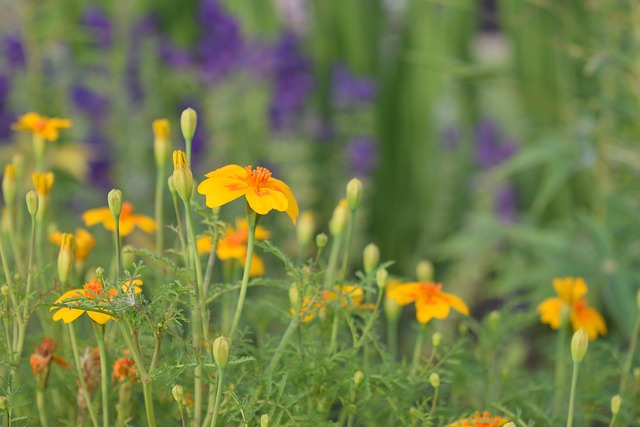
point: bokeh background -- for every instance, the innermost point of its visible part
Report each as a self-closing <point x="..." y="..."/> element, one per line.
<point x="498" y="139"/>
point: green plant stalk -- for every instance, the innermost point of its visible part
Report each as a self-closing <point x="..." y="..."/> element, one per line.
<point x="116" y="235"/>
<point x="40" y="402"/>
<point x="187" y="143"/>
<point x="345" y="255"/>
<point x="104" y="378"/>
<point x="183" y="245"/>
<point x="613" y="420"/>
<point x="561" y="365"/>
<point x="626" y="370"/>
<point x="30" y="263"/>
<point x="333" y="346"/>
<point x="216" y="407"/>
<point x="333" y="261"/>
<point x="252" y="221"/>
<point x="198" y="267"/>
<point x="83" y="383"/>
<point x="293" y="324"/>
<point x="369" y="324"/>
<point x="434" y="403"/>
<point x="392" y="338"/>
<point x="415" y="362"/>
<point x="572" y="396"/>
<point x="13" y="241"/>
<point x="159" y="199"/>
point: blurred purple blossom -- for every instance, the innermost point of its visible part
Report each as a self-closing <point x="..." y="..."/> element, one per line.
<point x="143" y="28"/>
<point x="220" y="45"/>
<point x="98" y="26"/>
<point x="350" y="90"/>
<point x="172" y="55"/>
<point x="89" y="101"/>
<point x="14" y="51"/>
<point x="292" y="82"/>
<point x="491" y="149"/>
<point x="100" y="159"/>
<point x="505" y="203"/>
<point x="362" y="156"/>
<point x="6" y="116"/>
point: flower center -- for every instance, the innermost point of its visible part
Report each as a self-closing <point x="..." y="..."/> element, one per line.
<point x="93" y="288"/>
<point x="127" y="209"/>
<point x="257" y="178"/>
<point x="41" y="124"/>
<point x="430" y="288"/>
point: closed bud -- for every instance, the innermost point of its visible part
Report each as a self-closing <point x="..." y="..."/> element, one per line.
<point x="358" y="377"/>
<point x="32" y="203"/>
<point x="339" y="218"/>
<point x="128" y="257"/>
<point x="305" y="228"/>
<point x="100" y="272"/>
<point x="188" y="122"/>
<point x="436" y="339"/>
<point x="264" y="420"/>
<point x="9" y="185"/>
<point x="178" y="393"/>
<point x="354" y="193"/>
<point x="424" y="271"/>
<point x="172" y="186"/>
<point x="381" y="278"/>
<point x="579" y="345"/>
<point x="65" y="257"/>
<point x="370" y="257"/>
<point x="636" y="374"/>
<point x="5" y="290"/>
<point x="294" y="296"/>
<point x="434" y="380"/>
<point x="221" y="348"/>
<point x="114" y="199"/>
<point x="493" y="319"/>
<point x="161" y="143"/>
<point x="321" y="240"/>
<point x="616" y="403"/>
<point x="182" y="176"/>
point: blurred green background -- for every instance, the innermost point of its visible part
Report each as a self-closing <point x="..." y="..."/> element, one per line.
<point x="497" y="139"/>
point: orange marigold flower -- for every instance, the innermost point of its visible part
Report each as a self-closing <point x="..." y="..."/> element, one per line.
<point x="483" y="419"/>
<point x="44" y="127"/>
<point x="263" y="193"/>
<point x="124" y="369"/>
<point x="42" y="357"/>
<point x="571" y="292"/>
<point x="83" y="239"/>
<point x="430" y="301"/>
<point x="234" y="245"/>
<point x="128" y="220"/>
<point x="93" y="290"/>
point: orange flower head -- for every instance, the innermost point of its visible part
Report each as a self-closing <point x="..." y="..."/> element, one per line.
<point x="430" y="301"/>
<point x="124" y="369"/>
<point x="41" y="126"/>
<point x="570" y="299"/>
<point x="128" y="219"/>
<point x="483" y="419"/>
<point x="344" y="296"/>
<point x="262" y="191"/>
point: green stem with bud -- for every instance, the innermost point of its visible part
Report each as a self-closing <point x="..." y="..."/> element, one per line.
<point x="572" y="396"/>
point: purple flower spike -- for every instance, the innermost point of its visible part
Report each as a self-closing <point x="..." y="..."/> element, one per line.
<point x="362" y="156"/>
<point x="14" y="51"/>
<point x="491" y="150"/>
<point x="98" y="26"/>
<point x="89" y="102"/>
<point x="505" y="202"/>
<point x="349" y="89"/>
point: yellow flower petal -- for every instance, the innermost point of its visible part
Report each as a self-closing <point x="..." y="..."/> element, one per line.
<point x="292" y="206"/>
<point x="67" y="314"/>
<point x="264" y="199"/>
<point x="223" y="185"/>
<point x="404" y="294"/>
<point x="204" y="244"/>
<point x="97" y="216"/>
<point x="98" y="317"/>
<point x="570" y="289"/>
<point x="146" y="223"/>
<point x="428" y="308"/>
<point x="257" y="266"/>
<point x="455" y="302"/>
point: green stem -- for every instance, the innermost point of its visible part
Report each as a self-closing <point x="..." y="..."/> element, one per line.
<point x="417" y="351"/>
<point x="104" y="378"/>
<point x="198" y="266"/>
<point x="252" y="220"/>
<point x="561" y="365"/>
<point x="148" y="403"/>
<point x="31" y="263"/>
<point x="370" y="323"/>
<point x="626" y="370"/>
<point x="159" y="199"/>
<point x="436" y="393"/>
<point x="183" y="245"/>
<point x="333" y="346"/>
<point x="116" y="235"/>
<point x="83" y="383"/>
<point x="13" y="241"/>
<point x="216" y="407"/>
<point x="345" y="255"/>
<point x="293" y="324"/>
<point x="42" y="413"/>
<point x="330" y="272"/>
<point x="572" y="396"/>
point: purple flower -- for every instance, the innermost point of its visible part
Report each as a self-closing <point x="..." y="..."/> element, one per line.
<point x="89" y="102"/>
<point x="172" y="55"/>
<point x="292" y="83"/>
<point x="143" y="28"/>
<point x="491" y="149"/>
<point x="350" y="90"/>
<point x="220" y="45"/>
<point x="100" y="159"/>
<point x="362" y="156"/>
<point x="505" y="201"/>
<point x="98" y="26"/>
<point x="14" y="51"/>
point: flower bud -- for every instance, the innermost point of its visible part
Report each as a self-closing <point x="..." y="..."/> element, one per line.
<point x="161" y="143"/>
<point x="114" y="199"/>
<point x="32" y="203"/>
<point x="434" y="380"/>
<point x="188" y="122"/>
<point x="354" y="193"/>
<point x="172" y="186"/>
<point x="128" y="257"/>
<point x="42" y="182"/>
<point x="579" y="345"/>
<point x="305" y="228"/>
<point x="616" y="403"/>
<point x="182" y="176"/>
<point x="221" y="347"/>
<point x="9" y="184"/>
<point x="5" y="290"/>
<point x="321" y="240"/>
<point x="294" y="296"/>
<point x="100" y="272"/>
<point x="178" y="393"/>
<point x="358" y="377"/>
<point x="339" y="218"/>
<point x="424" y="271"/>
<point x="370" y="257"/>
<point x="436" y="339"/>
<point x="493" y="319"/>
<point x="381" y="278"/>
<point x="65" y="257"/>
<point x="264" y="420"/>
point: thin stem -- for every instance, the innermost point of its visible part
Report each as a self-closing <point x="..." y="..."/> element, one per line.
<point x="630" y="353"/>
<point x="345" y="255"/>
<point x="369" y="324"/>
<point x="330" y="272"/>
<point x="293" y="324"/>
<point x="183" y="245"/>
<point x="572" y="396"/>
<point x="42" y="413"/>
<point x="104" y="384"/>
<point x="333" y="346"/>
<point x="31" y="263"/>
<point x="159" y="199"/>
<point x="417" y="351"/>
<point x="216" y="407"/>
<point x="434" y="403"/>
<point x="148" y="403"/>
<point x="116" y="235"/>
<point x="83" y="383"/>
<point x="12" y="240"/>
<point x="198" y="267"/>
<point x="252" y="219"/>
<point x="561" y="365"/>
